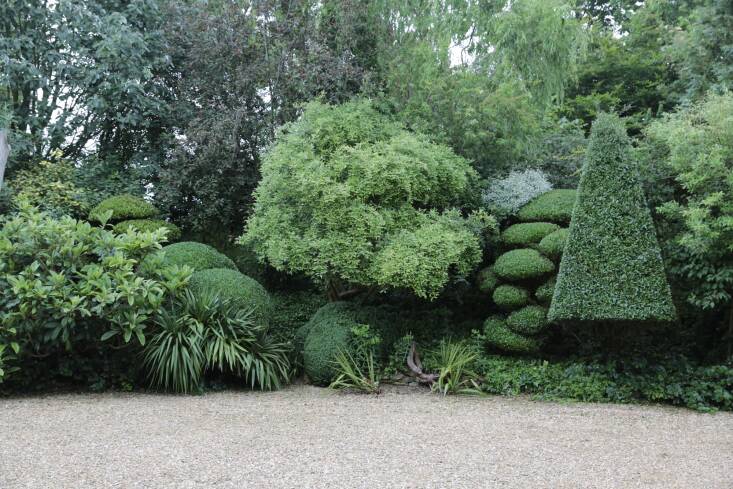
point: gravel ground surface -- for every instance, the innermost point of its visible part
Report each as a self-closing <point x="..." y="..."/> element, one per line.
<point x="308" y="437"/>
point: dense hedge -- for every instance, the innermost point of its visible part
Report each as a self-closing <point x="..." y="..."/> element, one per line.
<point x="196" y="255"/>
<point x="238" y="289"/>
<point x="510" y="297"/>
<point x="174" y="232"/>
<point x="498" y="335"/>
<point x="553" y="206"/>
<point x="553" y="244"/>
<point x="527" y="233"/>
<point x="612" y="267"/>
<point x="522" y="264"/>
<point x="123" y="207"/>
<point x="528" y="321"/>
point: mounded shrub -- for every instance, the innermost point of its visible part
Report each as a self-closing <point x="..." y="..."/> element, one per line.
<point x="554" y="206"/>
<point x="498" y="335"/>
<point x="527" y="233"/>
<point x="198" y="256"/>
<point x="123" y="207"/>
<point x="528" y="321"/>
<point x="522" y="264"/>
<point x="327" y="332"/>
<point x="553" y="244"/>
<point x="487" y="280"/>
<point x="544" y="292"/>
<point x="240" y="290"/>
<point x="174" y="232"/>
<point x="611" y="269"/>
<point x="510" y="297"/>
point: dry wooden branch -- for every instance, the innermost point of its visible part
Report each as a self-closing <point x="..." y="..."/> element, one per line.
<point x="415" y="366"/>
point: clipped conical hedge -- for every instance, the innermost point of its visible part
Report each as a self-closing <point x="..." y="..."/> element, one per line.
<point x="611" y="269"/>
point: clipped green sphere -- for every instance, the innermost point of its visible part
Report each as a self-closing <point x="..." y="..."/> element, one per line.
<point x="147" y="225"/>
<point x="498" y="335"/>
<point x="487" y="280"/>
<point x="327" y="333"/>
<point x="528" y="320"/>
<point x="510" y="297"/>
<point x="522" y="264"/>
<point x="236" y="288"/>
<point x="527" y="233"/>
<point x="544" y="292"/>
<point x="196" y="255"/>
<point x="553" y="244"/>
<point x="553" y="206"/>
<point x="123" y="207"/>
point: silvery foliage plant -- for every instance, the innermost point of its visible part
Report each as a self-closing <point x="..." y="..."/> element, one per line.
<point x="505" y="196"/>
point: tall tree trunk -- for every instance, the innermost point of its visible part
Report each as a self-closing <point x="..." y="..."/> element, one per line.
<point x="4" y="152"/>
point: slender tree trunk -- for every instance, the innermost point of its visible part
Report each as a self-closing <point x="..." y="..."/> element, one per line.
<point x="4" y="152"/>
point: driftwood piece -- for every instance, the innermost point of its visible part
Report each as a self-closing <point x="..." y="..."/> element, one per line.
<point x="415" y="366"/>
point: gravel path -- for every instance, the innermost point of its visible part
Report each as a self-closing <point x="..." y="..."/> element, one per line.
<point x="309" y="437"/>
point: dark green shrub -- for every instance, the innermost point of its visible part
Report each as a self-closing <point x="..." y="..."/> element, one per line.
<point x="239" y="290"/>
<point x="553" y="244"/>
<point x="544" y="292"/>
<point x="290" y="311"/>
<point x="123" y="207"/>
<point x="510" y="297"/>
<point x="327" y="333"/>
<point x="528" y="321"/>
<point x="196" y="255"/>
<point x="554" y="206"/>
<point x="498" y="335"/>
<point x="174" y="232"/>
<point x="527" y="233"/>
<point x="612" y="268"/>
<point x="522" y="264"/>
<point x="487" y="280"/>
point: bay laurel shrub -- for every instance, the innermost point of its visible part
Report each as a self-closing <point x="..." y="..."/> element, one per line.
<point x="123" y="207"/>
<point x="527" y="233"/>
<point x="529" y="320"/>
<point x="553" y="244"/>
<point x="522" y="264"/>
<point x="510" y="297"/>
<point x="65" y="286"/>
<point x="553" y="206"/>
<point x="350" y="198"/>
<point x="198" y="256"/>
<point x="236" y="289"/>
<point x="612" y="267"/>
<point x="173" y="231"/>
<point x="498" y="335"/>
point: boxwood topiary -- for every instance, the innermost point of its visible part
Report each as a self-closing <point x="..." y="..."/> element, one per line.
<point x="528" y="321"/>
<point x="123" y="207"/>
<point x="522" y="264"/>
<point x="527" y="233"/>
<point x="611" y="269"/>
<point x="554" y="206"/>
<point x="487" y="280"/>
<point x="174" y="232"/>
<point x="498" y="335"/>
<point x="552" y="245"/>
<point x="510" y="297"/>
<point x="238" y="289"/>
<point x="544" y="292"/>
<point x="196" y="255"/>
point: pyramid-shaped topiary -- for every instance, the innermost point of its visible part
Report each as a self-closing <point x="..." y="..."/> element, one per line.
<point x="611" y="268"/>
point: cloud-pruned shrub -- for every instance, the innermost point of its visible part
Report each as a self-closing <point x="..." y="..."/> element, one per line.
<point x="198" y="256"/>
<point x="527" y="321"/>
<point x="123" y="207"/>
<point x="505" y="196"/>
<point x="553" y="206"/>
<point x="235" y="288"/>
<point x="522" y="264"/>
<point x="498" y="335"/>
<point x="173" y="231"/>
<point x="510" y="297"/>
<point x="611" y="269"/>
<point x="527" y="233"/>
<point x="552" y="245"/>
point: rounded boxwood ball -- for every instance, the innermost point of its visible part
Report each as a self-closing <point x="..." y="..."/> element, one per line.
<point x="238" y="289"/>
<point x="528" y="320"/>
<point x="553" y="206"/>
<point x="527" y="233"/>
<point x="498" y="335"/>
<point x="522" y="264"/>
<point x="553" y="244"/>
<point x="544" y="292"/>
<point x="510" y="297"/>
<point x="123" y="207"/>
<point x="196" y="255"/>
<point x="327" y="333"/>
<point x="487" y="280"/>
<point x="146" y="225"/>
